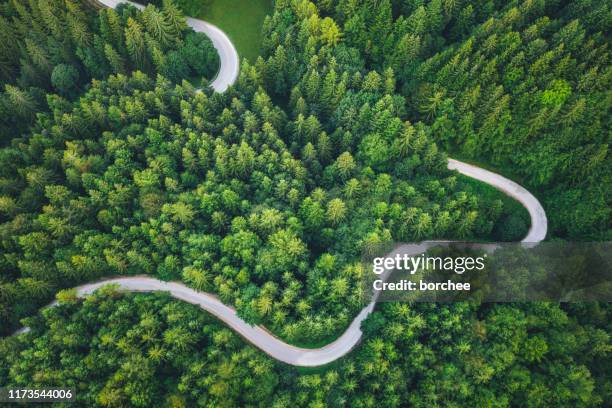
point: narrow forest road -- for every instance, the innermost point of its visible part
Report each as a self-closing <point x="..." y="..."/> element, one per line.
<point x="539" y="223"/>
<point x="258" y="335"/>
<point x="276" y="348"/>
<point x="228" y="56"/>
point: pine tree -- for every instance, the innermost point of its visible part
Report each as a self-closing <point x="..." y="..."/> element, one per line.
<point x="38" y="55"/>
<point x="21" y="102"/>
<point x="327" y="97"/>
<point x="79" y="30"/>
<point x="9" y="58"/>
<point x="75" y="9"/>
<point x="405" y="140"/>
<point x="174" y="17"/>
<point x="51" y="21"/>
<point x="345" y="164"/>
<point x="114" y="59"/>
<point x="336" y="211"/>
<point x="330" y="33"/>
<point x="434" y="16"/>
<point x="135" y="43"/>
<point x="114" y="28"/>
<point x="407" y="51"/>
<point x="158" y="58"/>
<point x="417" y="22"/>
<point x="156" y="24"/>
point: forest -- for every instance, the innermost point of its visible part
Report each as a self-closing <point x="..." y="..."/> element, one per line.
<point x="145" y="350"/>
<point x="113" y="163"/>
<point x="57" y="47"/>
<point x="525" y="90"/>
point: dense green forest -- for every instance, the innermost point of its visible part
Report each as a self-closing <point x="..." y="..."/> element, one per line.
<point x="523" y="85"/>
<point x="143" y="177"/>
<point x="59" y="46"/>
<point x="266" y="195"/>
<point x="126" y="350"/>
<point x="230" y="193"/>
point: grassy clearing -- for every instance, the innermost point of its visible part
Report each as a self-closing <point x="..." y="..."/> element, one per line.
<point x="241" y="20"/>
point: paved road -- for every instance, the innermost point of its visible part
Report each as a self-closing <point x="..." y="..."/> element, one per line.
<point x="228" y="56"/>
<point x="276" y="348"/>
<point x="539" y="223"/>
<point x="258" y="335"/>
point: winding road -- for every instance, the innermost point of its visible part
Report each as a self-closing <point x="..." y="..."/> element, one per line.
<point x="228" y="56"/>
<point x="258" y="335"/>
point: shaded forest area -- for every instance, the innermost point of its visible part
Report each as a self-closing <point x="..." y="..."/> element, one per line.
<point x="59" y="46"/>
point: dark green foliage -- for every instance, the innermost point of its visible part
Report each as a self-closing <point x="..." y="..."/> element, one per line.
<point x="64" y="79"/>
<point x="536" y="103"/>
<point x="520" y="85"/>
<point x="196" y="57"/>
<point x="175" y="66"/>
<point x="200" y="55"/>
<point x="43" y="38"/>
<point x="511" y="228"/>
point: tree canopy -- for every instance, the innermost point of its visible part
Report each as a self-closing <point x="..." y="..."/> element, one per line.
<point x="61" y="45"/>
<point x="265" y="195"/>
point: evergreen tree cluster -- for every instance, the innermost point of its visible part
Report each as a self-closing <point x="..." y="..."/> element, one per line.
<point x="147" y="350"/>
<point x="523" y="85"/>
<point x="140" y="176"/>
<point x="58" y="46"/>
<point x="265" y="195"/>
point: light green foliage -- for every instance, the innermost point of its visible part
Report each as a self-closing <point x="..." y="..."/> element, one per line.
<point x="134" y="350"/>
<point x="557" y="94"/>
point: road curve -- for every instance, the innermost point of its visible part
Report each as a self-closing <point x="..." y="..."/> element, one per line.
<point x="297" y="356"/>
<point x="228" y="56"/>
<point x="539" y="222"/>
<point x="258" y="335"/>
